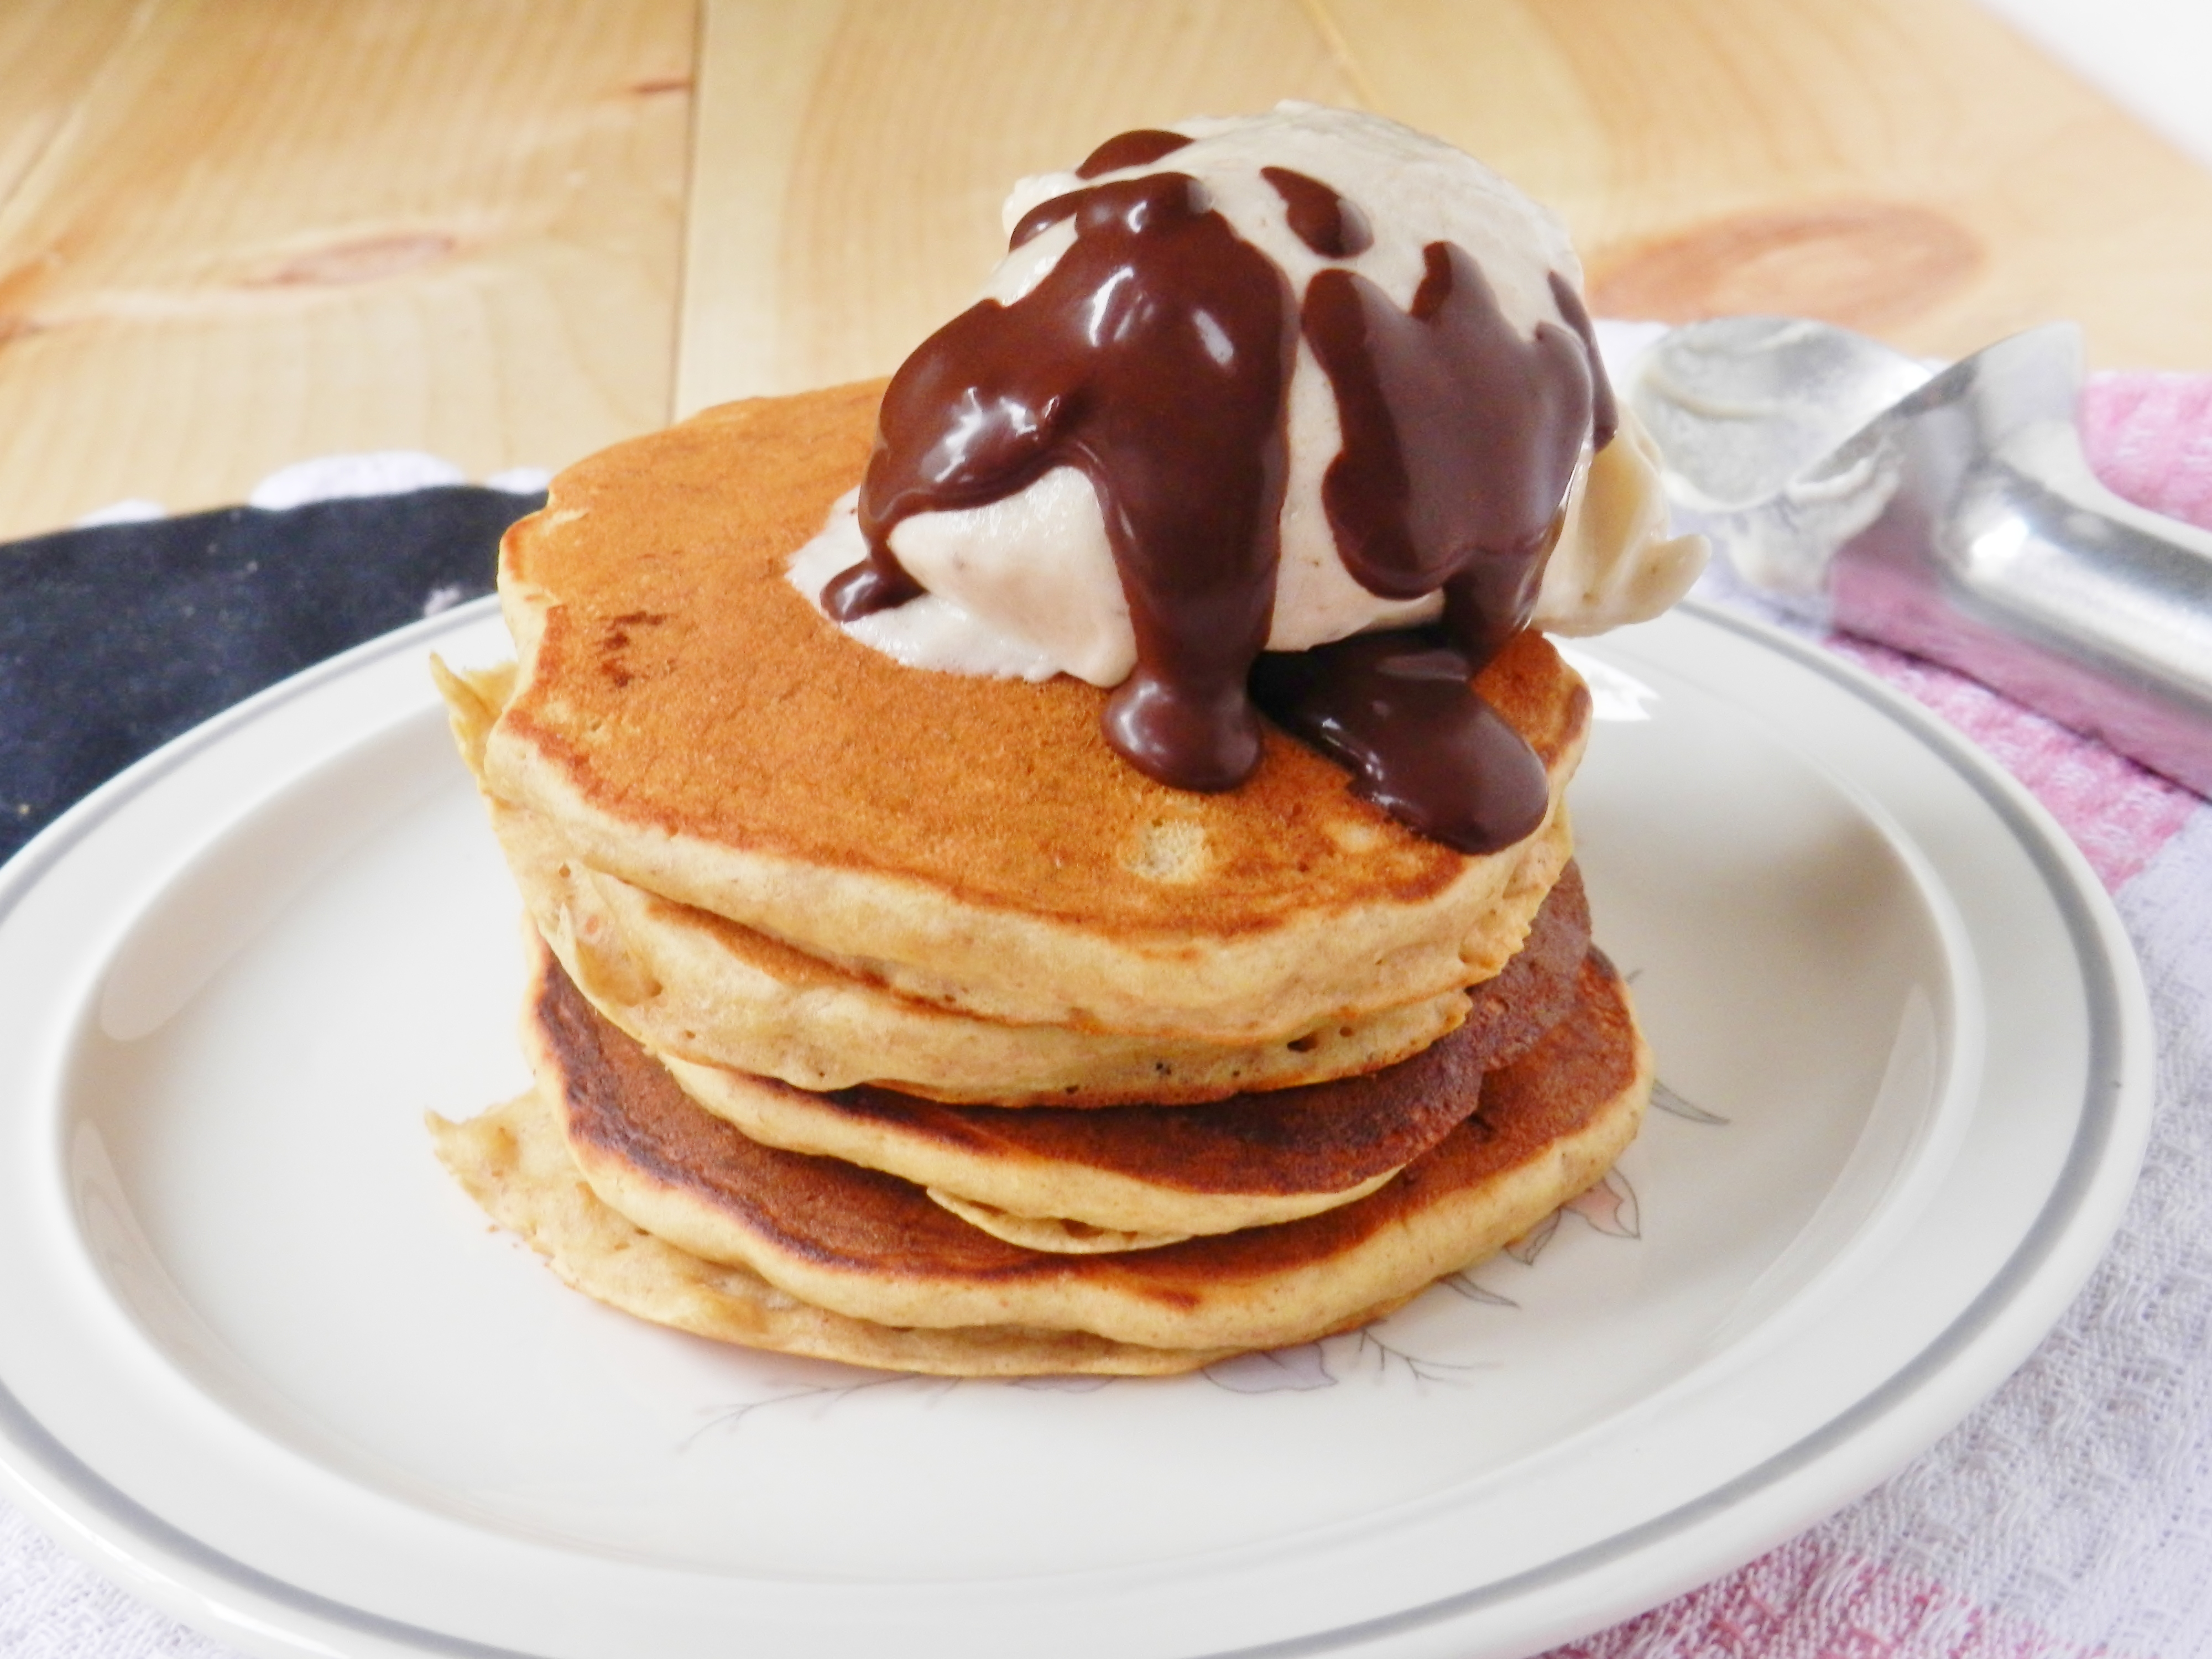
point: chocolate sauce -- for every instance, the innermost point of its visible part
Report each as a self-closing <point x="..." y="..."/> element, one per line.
<point x="1459" y="440"/>
<point x="1398" y="711"/>
<point x="1045" y="215"/>
<point x="1459" y="437"/>
<point x="1332" y="226"/>
<point x="1604" y="415"/>
<point x="1153" y="358"/>
<point x="1139" y="148"/>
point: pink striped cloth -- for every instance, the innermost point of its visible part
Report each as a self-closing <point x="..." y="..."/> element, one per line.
<point x="2072" y="1515"/>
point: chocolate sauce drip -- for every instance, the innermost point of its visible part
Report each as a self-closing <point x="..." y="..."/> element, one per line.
<point x="1605" y="414"/>
<point x="1042" y="217"/>
<point x="878" y="582"/>
<point x="1137" y="148"/>
<point x="1459" y="437"/>
<point x="1332" y="226"/>
<point x="1459" y="440"/>
<point x="1398" y="711"/>
<point x="1154" y="358"/>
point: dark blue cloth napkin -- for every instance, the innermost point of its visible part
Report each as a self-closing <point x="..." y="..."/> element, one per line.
<point x="114" y="640"/>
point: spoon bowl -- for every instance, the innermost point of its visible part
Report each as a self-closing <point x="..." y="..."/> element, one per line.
<point x="1952" y="514"/>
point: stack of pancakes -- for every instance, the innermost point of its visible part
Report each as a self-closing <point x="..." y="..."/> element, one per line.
<point x="888" y="1016"/>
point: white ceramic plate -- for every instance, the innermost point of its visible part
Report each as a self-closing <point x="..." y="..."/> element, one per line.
<point x="265" y="1365"/>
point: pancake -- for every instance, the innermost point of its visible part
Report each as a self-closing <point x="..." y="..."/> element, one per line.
<point x="689" y="983"/>
<point x="1159" y="1174"/>
<point x="1062" y="1235"/>
<point x="872" y="1247"/>
<point x="691" y="725"/>
<point x="514" y="1162"/>
<point x="692" y="985"/>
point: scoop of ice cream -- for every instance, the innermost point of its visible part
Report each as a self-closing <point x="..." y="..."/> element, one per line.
<point x="1027" y="584"/>
<point x="1249" y="403"/>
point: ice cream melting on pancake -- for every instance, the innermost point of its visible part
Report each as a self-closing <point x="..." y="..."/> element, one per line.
<point x="1153" y="358"/>
<point x="1152" y="349"/>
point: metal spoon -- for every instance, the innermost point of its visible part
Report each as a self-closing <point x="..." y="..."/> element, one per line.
<point x="1951" y="515"/>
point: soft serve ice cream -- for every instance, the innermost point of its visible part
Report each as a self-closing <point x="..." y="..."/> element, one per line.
<point x="1264" y="385"/>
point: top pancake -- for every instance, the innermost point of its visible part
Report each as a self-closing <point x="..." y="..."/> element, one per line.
<point x="696" y="728"/>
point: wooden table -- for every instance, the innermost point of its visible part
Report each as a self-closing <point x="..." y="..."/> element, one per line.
<point x="237" y="233"/>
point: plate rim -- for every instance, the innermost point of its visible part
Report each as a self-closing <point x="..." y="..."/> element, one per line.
<point x="2009" y="1313"/>
<point x="2117" y="1020"/>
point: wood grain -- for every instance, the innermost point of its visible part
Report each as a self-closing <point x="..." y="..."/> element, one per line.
<point x="237" y="233"/>
<point x="263" y="231"/>
<point x="1912" y="167"/>
<point x="51" y="51"/>
<point x="1907" y="166"/>
<point x="851" y="154"/>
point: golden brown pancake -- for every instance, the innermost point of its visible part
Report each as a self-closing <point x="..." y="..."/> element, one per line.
<point x="1166" y="1172"/>
<point x="765" y="853"/>
<point x="514" y="1161"/>
<point x="692" y="725"/>
<point x="697" y="986"/>
<point x="873" y="1246"/>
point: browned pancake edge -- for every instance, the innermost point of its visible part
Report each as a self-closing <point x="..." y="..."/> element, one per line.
<point x="681" y="687"/>
<point x="872" y="1246"/>
<point x="1308" y="1138"/>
